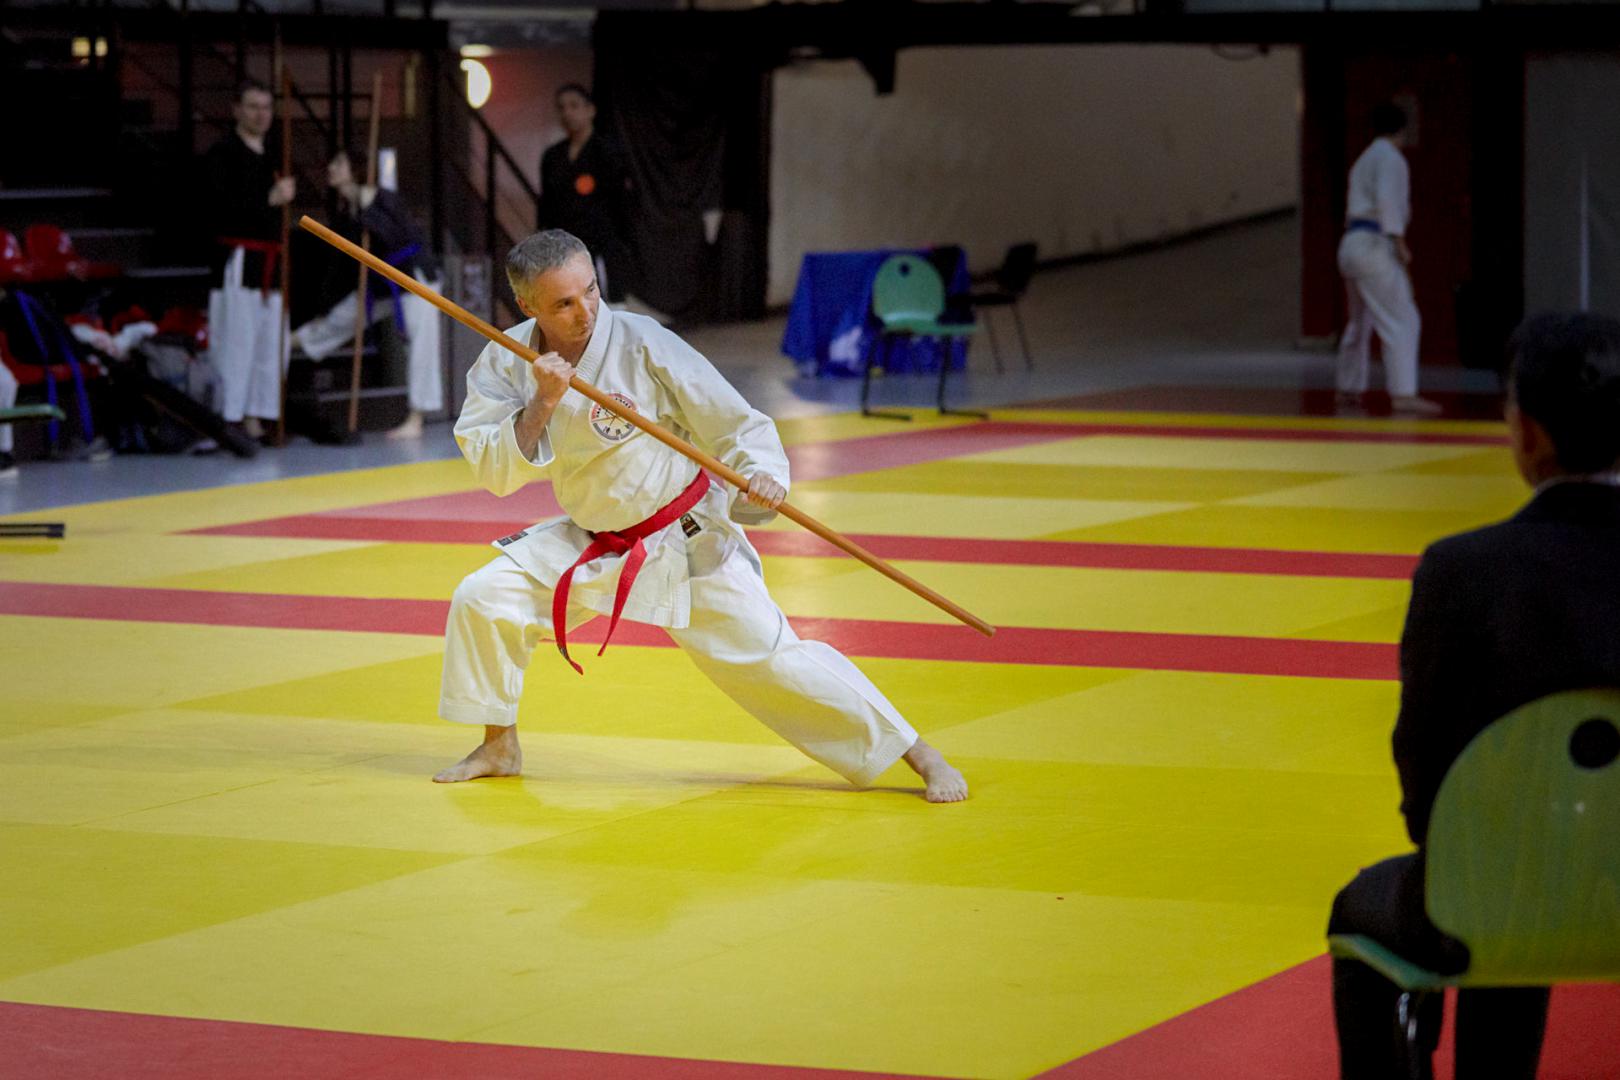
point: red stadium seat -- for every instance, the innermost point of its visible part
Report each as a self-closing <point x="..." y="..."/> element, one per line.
<point x="28" y="374"/>
<point x="188" y="322"/>
<point x="15" y="266"/>
<point x="51" y="251"/>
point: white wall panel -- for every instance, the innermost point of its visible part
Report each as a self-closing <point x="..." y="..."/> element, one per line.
<point x="1080" y="148"/>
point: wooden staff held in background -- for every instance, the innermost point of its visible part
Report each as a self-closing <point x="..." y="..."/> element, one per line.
<point x="680" y="446"/>
<point x="286" y="248"/>
<point x="365" y="243"/>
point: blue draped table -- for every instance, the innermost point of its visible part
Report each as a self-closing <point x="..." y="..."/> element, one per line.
<point x="831" y="329"/>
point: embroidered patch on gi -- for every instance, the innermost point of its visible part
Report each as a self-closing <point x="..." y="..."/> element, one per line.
<point x="612" y="428"/>
<point x="514" y="538"/>
<point x="689" y="526"/>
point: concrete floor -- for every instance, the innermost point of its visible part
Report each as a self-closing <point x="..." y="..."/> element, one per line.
<point x="1219" y="312"/>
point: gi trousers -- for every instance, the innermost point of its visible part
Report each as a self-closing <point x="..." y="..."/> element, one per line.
<point x="805" y="691"/>
<point x="325" y="334"/>
<point x="1498" y="1030"/>
<point x="244" y="333"/>
<point x="8" y="399"/>
<point x="1380" y="296"/>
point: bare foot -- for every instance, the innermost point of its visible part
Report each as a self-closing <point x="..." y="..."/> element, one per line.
<point x="942" y="782"/>
<point x="411" y="428"/>
<point x="498" y="755"/>
<point x="1415" y="406"/>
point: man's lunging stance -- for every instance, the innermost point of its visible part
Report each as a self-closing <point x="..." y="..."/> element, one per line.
<point x="646" y="535"/>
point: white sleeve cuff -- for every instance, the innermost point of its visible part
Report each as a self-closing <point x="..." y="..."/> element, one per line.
<point x="746" y="513"/>
<point x="543" y="452"/>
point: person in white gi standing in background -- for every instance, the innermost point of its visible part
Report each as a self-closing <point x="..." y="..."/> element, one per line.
<point x="633" y="502"/>
<point x="403" y="244"/>
<point x="242" y="200"/>
<point x="1373" y="257"/>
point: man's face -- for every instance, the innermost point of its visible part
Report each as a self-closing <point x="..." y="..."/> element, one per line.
<point x="564" y="303"/>
<point x="255" y="111"/>
<point x="339" y="173"/>
<point x="574" y="113"/>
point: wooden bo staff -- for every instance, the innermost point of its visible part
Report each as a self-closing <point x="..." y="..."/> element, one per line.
<point x="286" y="245"/>
<point x="680" y="446"/>
<point x="365" y="242"/>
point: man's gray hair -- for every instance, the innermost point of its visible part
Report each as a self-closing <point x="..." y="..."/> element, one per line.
<point x="545" y="250"/>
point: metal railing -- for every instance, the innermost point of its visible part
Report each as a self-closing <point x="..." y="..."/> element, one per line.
<point x="489" y="178"/>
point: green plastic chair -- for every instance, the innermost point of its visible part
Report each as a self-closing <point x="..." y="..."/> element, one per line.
<point x="30" y="412"/>
<point x="1523" y="858"/>
<point x="907" y="298"/>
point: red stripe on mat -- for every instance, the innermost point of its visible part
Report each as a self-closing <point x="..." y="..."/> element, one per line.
<point x="1282" y="1029"/>
<point x="868" y="453"/>
<point x="857" y="637"/>
<point x="919" y="548"/>
<point x="1030" y="430"/>
<point x="1102" y="556"/>
<point x="842" y="457"/>
<point x="40" y="1041"/>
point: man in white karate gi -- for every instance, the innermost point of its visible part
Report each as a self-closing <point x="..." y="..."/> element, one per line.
<point x="1373" y="257"/>
<point x="647" y="535"/>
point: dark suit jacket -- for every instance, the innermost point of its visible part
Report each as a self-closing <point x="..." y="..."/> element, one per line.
<point x="1502" y="616"/>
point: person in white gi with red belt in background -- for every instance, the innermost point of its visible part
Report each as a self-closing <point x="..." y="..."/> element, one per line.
<point x="1373" y="257"/>
<point x="646" y="536"/>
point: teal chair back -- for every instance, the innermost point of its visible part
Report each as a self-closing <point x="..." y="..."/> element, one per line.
<point x="907" y="290"/>
<point x="1524" y="844"/>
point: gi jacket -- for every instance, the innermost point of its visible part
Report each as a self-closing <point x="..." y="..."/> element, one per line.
<point x="608" y="475"/>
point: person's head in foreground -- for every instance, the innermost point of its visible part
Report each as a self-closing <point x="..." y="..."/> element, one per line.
<point x="554" y="279"/>
<point x="1563" y="408"/>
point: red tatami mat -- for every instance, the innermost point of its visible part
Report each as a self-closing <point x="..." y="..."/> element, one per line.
<point x="39" y="1042"/>
<point x="858" y="637"/>
<point x="1282" y="1029"/>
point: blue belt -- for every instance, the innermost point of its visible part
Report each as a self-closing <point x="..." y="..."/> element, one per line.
<point x="398" y="260"/>
<point x="1360" y="224"/>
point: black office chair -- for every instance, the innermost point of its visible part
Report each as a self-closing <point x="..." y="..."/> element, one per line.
<point x="958" y="305"/>
<point x="1012" y="281"/>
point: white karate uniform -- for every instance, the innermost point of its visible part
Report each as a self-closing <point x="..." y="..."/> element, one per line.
<point x="325" y="334"/>
<point x="245" y="330"/>
<point x="707" y="588"/>
<point x="1377" y="285"/>
<point x="8" y="399"/>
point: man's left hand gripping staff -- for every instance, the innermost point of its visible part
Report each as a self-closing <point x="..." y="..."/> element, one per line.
<point x="765" y="490"/>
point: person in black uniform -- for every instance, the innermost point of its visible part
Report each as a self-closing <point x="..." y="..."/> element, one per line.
<point x="401" y="243"/>
<point x="584" y="188"/>
<point x="1499" y="617"/>
<point x="242" y="199"/>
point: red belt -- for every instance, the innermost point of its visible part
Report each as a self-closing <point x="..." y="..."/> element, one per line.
<point x="270" y="249"/>
<point x="626" y="542"/>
